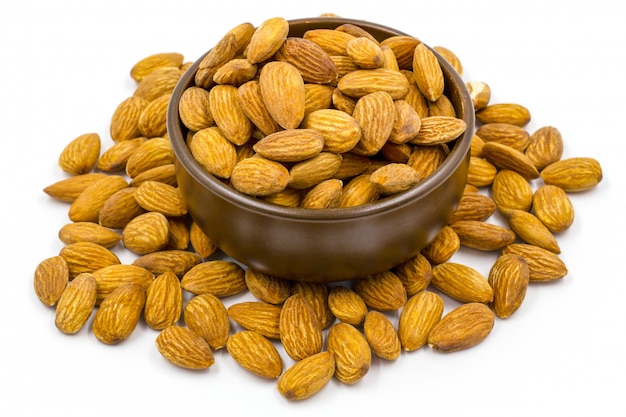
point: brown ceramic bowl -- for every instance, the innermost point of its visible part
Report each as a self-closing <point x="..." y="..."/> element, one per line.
<point x="331" y="244"/>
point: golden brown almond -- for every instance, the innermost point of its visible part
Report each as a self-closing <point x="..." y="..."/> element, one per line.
<point x="347" y="305"/>
<point x="365" y="52"/>
<point x="267" y="288"/>
<point x="418" y="317"/>
<point x="375" y="113"/>
<point x="109" y="278"/>
<point x="146" y="65"/>
<point x="235" y="72"/>
<point x="356" y="31"/>
<point x="50" y="279"/>
<point x="214" y="152"/>
<point x="553" y="207"/>
<point x="358" y="191"/>
<point x="511" y="191"/>
<point x="481" y="172"/>
<point x="426" y="159"/>
<point x="389" y="59"/>
<point x="531" y="230"/>
<point x="451" y="57"/>
<point x="483" y="236"/>
<point x="259" y="176"/>
<point x="403" y="47"/>
<point x="436" y="130"/>
<point x="509" y="279"/>
<point x="115" y="158"/>
<point x="381" y="336"/>
<point x="394" y="178"/>
<point x="462" y="283"/>
<point x="310" y="172"/>
<point x="229" y="115"/>
<point x="165" y="174"/>
<point x="462" y="328"/>
<point x="511" y="113"/>
<point x="159" y="197"/>
<point x="342" y="102"/>
<point x="316" y="294"/>
<point x="505" y="133"/>
<point x="325" y="195"/>
<point x="118" y="314"/>
<point x="259" y="316"/>
<point x="255" y="353"/>
<point x="152" y="118"/>
<point x="194" y="109"/>
<point x="317" y="97"/>
<point x="76" y="304"/>
<point x="441" y="107"/>
<point x="428" y="73"/>
<point x="159" y="82"/>
<point x="182" y="347"/>
<point x="218" y="277"/>
<point x="146" y="233"/>
<point x="396" y="152"/>
<point x="200" y="242"/>
<point x="289" y="197"/>
<point x="476" y="148"/>
<point x="353" y="355"/>
<point x="543" y="265"/>
<point x="505" y="157"/>
<point x="445" y="244"/>
<point x="88" y="232"/>
<point x="87" y="257"/>
<point x="253" y="106"/>
<point x="362" y="82"/>
<point x="415" y="274"/>
<point x="125" y="120"/>
<point x="334" y="42"/>
<point x="282" y="89"/>
<point x="119" y="209"/>
<point x="152" y="153"/>
<point x="179" y="233"/>
<point x="176" y="261"/>
<point x="300" y="331"/>
<point x="267" y="39"/>
<point x="81" y="154"/>
<point x="68" y="189"/>
<point x="480" y="92"/>
<point x="290" y="145"/>
<point x="307" y="377"/>
<point x="86" y="207"/>
<point x="545" y="147"/>
<point x="164" y="301"/>
<point x="339" y="130"/>
<point x="352" y="165"/>
<point x="573" y="174"/>
<point x="407" y="123"/>
<point x="207" y="316"/>
<point x="474" y="206"/>
<point x="314" y="64"/>
<point x="382" y="291"/>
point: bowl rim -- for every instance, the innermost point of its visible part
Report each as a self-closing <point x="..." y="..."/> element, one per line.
<point x="454" y="159"/>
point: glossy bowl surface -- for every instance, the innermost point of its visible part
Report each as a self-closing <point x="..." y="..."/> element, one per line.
<point x="333" y="244"/>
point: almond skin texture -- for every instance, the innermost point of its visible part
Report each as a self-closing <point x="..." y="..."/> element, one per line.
<point x="118" y="314"/>
<point x="418" y="317"/>
<point x="259" y="316"/>
<point x="352" y="353"/>
<point x="346" y="305"/>
<point x="340" y="131"/>
<point x="311" y="60"/>
<point x="291" y="145"/>
<point x="360" y="83"/>
<point x="88" y="232"/>
<point x="300" y="331"/>
<point x="50" y="279"/>
<point x="531" y="230"/>
<point x="182" y="347"/>
<point x="119" y="209"/>
<point x="146" y="233"/>
<point x="87" y="257"/>
<point x="375" y="113"/>
<point x="76" y="304"/>
<point x="428" y="72"/>
<point x="545" y="146"/>
<point x="462" y="283"/>
<point x="462" y="328"/>
<point x="124" y="124"/>
<point x="161" y="198"/>
<point x="175" y="260"/>
<point x="229" y="115"/>
<point x="415" y="274"/>
<point x="282" y="89"/>
<point x="81" y="154"/>
<point x="267" y="288"/>
<point x="148" y="64"/>
<point x="381" y="336"/>
<point x="255" y="353"/>
<point x="267" y="39"/>
<point x="316" y="294"/>
<point x="482" y="235"/>
<point x="383" y="291"/>
<point x="207" y="316"/>
<point x="216" y="154"/>
<point x="445" y="244"/>
<point x="218" y="277"/>
<point x="511" y="113"/>
<point x="86" y="207"/>
<point x="259" y="177"/>
<point x="435" y="130"/>
<point x="543" y="265"/>
<point x="509" y="279"/>
<point x="69" y="189"/>
<point x="511" y="191"/>
<point x="553" y="207"/>
<point x="573" y="174"/>
<point x="307" y="377"/>
<point x="109" y="278"/>
<point x="164" y="301"/>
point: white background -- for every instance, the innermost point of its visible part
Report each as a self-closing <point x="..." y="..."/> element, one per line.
<point x="64" y="68"/>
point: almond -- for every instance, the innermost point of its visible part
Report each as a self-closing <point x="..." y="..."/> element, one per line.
<point x="259" y="316"/>
<point x="365" y="52"/>
<point x="325" y="195"/>
<point x="300" y="330"/>
<point x="415" y="274"/>
<point x="347" y="305"/>
<point x="511" y="113"/>
<point x="200" y="242"/>
<point x="125" y="120"/>
<point x="426" y="159"/>
<point x="407" y="123"/>
<point x="317" y="97"/>
<point x="509" y="279"/>
<point x="68" y="189"/>
<point x="334" y="42"/>
<point x="531" y="230"/>
<point x="428" y="73"/>
<point x="259" y="176"/>
<point x="255" y="353"/>
<point x="436" y="130"/>
<point x="394" y="178"/>
<point x="165" y="174"/>
<point x="229" y="115"/>
<point x="81" y="154"/>
<point x="146" y="233"/>
<point x="483" y="235"/>
<point x="316" y="294"/>
<point x="253" y="106"/>
<point x="381" y="336"/>
<point x="375" y="113"/>
<point x="543" y="265"/>
<point x="88" y="232"/>
<point x="152" y="153"/>
<point x="307" y="377"/>
<point x="182" y="347"/>
<point x="218" y="277"/>
<point x="194" y="109"/>
<point x="418" y="317"/>
<point x="50" y="279"/>
<point x="290" y="145"/>
<point x="481" y="172"/>
<point x="111" y="277"/>
<point x="149" y="63"/>
<point x="553" y="207"/>
<point x="164" y="301"/>
<point x="118" y="314"/>
<point x="480" y="92"/>
<point x="505" y="133"/>
<point x="87" y="257"/>
<point x="462" y="283"/>
<point x="573" y="174"/>
<point x="545" y="147"/>
<point x="207" y="316"/>
<point x="76" y="304"/>
<point x="86" y="207"/>
<point x="363" y="82"/>
<point x="176" y="261"/>
<point x="119" y="209"/>
<point x="152" y="118"/>
<point x="216" y="154"/>
<point x="314" y="64"/>
<point x="282" y="89"/>
<point x="462" y="328"/>
<point x="352" y="353"/>
<point x="115" y="158"/>
<point x="267" y="39"/>
<point x="267" y="288"/>
<point x="445" y="244"/>
<point x="474" y="206"/>
<point x="161" y="198"/>
<point x="511" y="191"/>
<point x="339" y="130"/>
<point x="310" y="172"/>
<point x="506" y="157"/>
<point x="235" y="72"/>
<point x="382" y="291"/>
<point x="403" y="46"/>
<point x="159" y="82"/>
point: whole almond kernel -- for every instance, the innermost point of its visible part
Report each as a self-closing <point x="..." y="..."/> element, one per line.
<point x="182" y="347"/>
<point x="505" y="133"/>
<point x="164" y="301"/>
<point x="152" y="153"/>
<point x="509" y="279"/>
<point x="462" y="283"/>
<point x="451" y="57"/>
<point x="506" y="157"/>
<point x="531" y="230"/>
<point x="362" y="82"/>
<point x="311" y="172"/>
<point x="307" y="377"/>
<point x="68" y="189"/>
<point x="511" y="113"/>
<point x="365" y="52"/>
<point x="218" y="277"/>
<point x="87" y="257"/>
<point x="511" y="191"/>
<point x="382" y="291"/>
<point x="290" y="145"/>
<point x="396" y="152"/>
<point x="407" y="123"/>
<point x="223" y="51"/>
<point x="300" y="330"/>
<point x="289" y="197"/>
<point x="235" y="72"/>
<point x="282" y="89"/>
<point x="543" y="265"/>
<point x="415" y="274"/>
<point x="418" y="317"/>
<point x="194" y="109"/>
<point x="112" y="277"/>
<point x="394" y="178"/>
<point x="316" y="294"/>
<point x="267" y="39"/>
<point x="259" y="316"/>
<point x="482" y="235"/>
<point x="436" y="130"/>
<point x="146" y="65"/>
<point x="118" y="314"/>
<point x="481" y="172"/>
<point x="174" y="260"/>
<point x="207" y="316"/>
<point x="253" y="106"/>
<point x="381" y="336"/>
<point x="119" y="209"/>
<point x="125" y="120"/>
<point x="152" y="118"/>
<point x="325" y="195"/>
<point x="76" y="304"/>
<point x="462" y="328"/>
<point x="441" y="107"/>
<point x="179" y="233"/>
<point x="445" y="244"/>
<point x="115" y="158"/>
<point x="375" y="113"/>
<point x="340" y="131"/>
<point x="159" y="82"/>
<point x="353" y="355"/>
<point x="259" y="176"/>
<point x="573" y="174"/>
<point x="255" y="353"/>
<point x="165" y="174"/>
<point x="310" y="59"/>
<point x="428" y="73"/>
<point x="200" y="242"/>
<point x="553" y="207"/>
<point x="474" y="206"/>
<point x="216" y="154"/>
<point x="161" y="198"/>
<point x="347" y="305"/>
<point x="229" y="115"/>
<point x="146" y="233"/>
<point x="403" y="47"/>
<point x="426" y="159"/>
<point x="86" y="207"/>
<point x="267" y="288"/>
<point x="50" y="279"/>
<point x="81" y="154"/>
<point x="318" y="97"/>
<point x="88" y="232"/>
<point x="545" y="147"/>
<point x="356" y="31"/>
<point x="334" y="42"/>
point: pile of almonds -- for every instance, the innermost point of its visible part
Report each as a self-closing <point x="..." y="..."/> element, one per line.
<point x="180" y="283"/>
